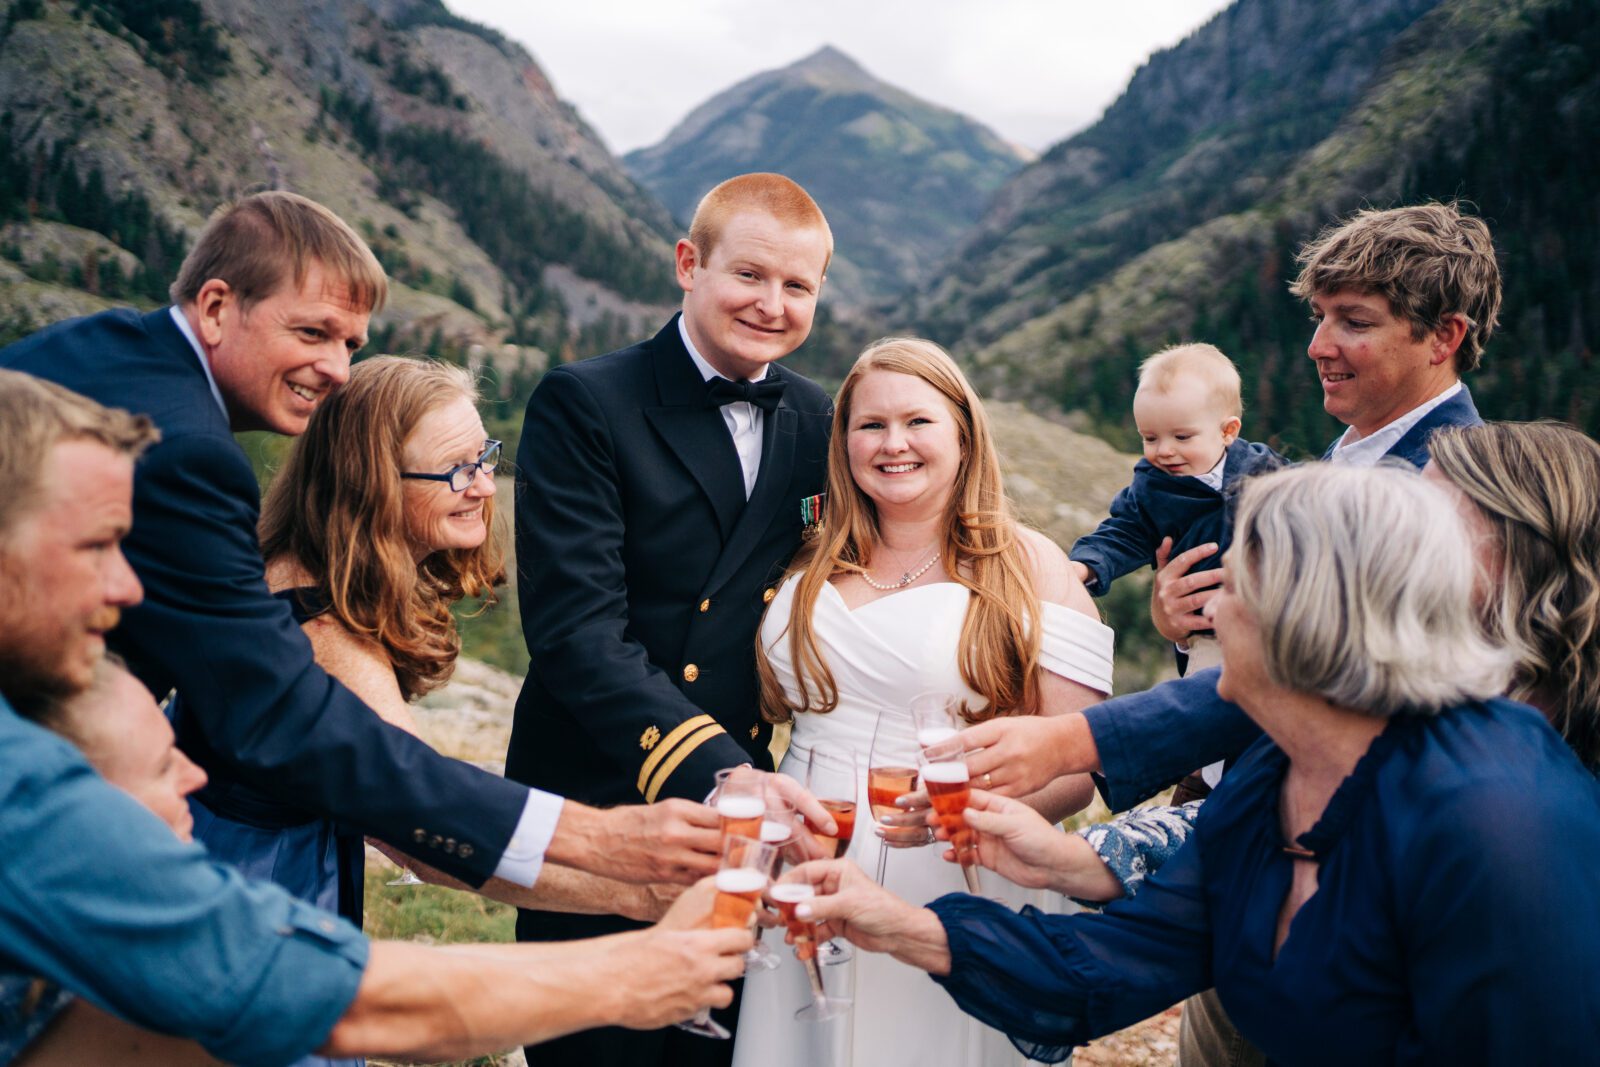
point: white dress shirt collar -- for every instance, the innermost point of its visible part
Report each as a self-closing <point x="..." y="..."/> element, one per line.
<point x="1367" y="451"/>
<point x="1213" y="477"/>
<point x="205" y="364"/>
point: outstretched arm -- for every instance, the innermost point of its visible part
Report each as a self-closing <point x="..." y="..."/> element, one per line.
<point x="422" y="1002"/>
<point x="1141" y="743"/>
<point x="559" y="889"/>
<point x="1123" y="543"/>
<point x="673" y="842"/>
<point x="1048" y="981"/>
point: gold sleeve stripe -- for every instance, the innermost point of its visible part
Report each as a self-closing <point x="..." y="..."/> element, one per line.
<point x="685" y="750"/>
<point x="660" y="751"/>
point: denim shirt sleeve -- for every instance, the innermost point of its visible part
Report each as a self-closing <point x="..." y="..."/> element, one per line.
<point x="100" y="897"/>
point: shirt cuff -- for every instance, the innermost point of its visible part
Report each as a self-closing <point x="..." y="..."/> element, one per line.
<point x="523" y="858"/>
<point x="310" y="979"/>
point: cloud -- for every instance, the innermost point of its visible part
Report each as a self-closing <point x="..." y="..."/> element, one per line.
<point x="1034" y="70"/>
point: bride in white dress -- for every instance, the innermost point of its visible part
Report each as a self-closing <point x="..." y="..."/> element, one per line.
<point x="919" y="580"/>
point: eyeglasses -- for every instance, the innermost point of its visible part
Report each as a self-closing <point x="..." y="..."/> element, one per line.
<point x="460" y="477"/>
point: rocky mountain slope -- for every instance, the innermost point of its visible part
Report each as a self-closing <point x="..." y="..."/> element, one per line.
<point x="1177" y="215"/>
<point x="495" y="208"/>
<point x="900" y="179"/>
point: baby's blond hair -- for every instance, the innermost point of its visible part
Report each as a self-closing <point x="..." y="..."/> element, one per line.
<point x="1205" y="362"/>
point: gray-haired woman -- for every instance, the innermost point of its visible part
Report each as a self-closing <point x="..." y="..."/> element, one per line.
<point x="1401" y="871"/>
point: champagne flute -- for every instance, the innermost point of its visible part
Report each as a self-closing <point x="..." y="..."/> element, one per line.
<point x="740" y="797"/>
<point x="743" y="874"/>
<point x="943" y="766"/>
<point x="406" y="877"/>
<point x="788" y="896"/>
<point x="936" y="717"/>
<point x="777" y="830"/>
<point x="891" y="774"/>
<point x="833" y="777"/>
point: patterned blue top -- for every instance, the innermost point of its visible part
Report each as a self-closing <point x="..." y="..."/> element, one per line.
<point x="1136" y="843"/>
<point x="1454" y="920"/>
<point x="27" y="1005"/>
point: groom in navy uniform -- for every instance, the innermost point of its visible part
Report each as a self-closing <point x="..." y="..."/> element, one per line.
<point x="660" y="492"/>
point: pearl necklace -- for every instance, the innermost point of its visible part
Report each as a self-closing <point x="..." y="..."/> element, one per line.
<point x="906" y="577"/>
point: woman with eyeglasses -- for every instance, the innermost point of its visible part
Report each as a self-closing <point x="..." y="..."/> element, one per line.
<point x="379" y="522"/>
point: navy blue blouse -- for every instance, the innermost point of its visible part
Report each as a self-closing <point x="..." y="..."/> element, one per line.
<point x="1456" y="918"/>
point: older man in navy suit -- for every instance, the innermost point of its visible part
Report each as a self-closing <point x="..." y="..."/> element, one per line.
<point x="660" y="494"/>
<point x="269" y="307"/>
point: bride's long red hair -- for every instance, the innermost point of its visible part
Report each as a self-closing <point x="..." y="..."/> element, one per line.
<point x="983" y="550"/>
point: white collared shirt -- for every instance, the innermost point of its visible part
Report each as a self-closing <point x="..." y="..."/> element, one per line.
<point x="744" y="419"/>
<point x="1367" y="451"/>
<point x="1213" y="477"/>
<point x="524" y="854"/>
<point x="205" y="364"/>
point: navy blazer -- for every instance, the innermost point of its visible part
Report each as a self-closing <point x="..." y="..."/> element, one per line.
<point x="643" y="572"/>
<point x="257" y="707"/>
<point x="1149" y="740"/>
<point x="1158" y="505"/>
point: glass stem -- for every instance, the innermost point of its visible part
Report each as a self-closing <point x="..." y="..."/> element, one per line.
<point x="814" y="973"/>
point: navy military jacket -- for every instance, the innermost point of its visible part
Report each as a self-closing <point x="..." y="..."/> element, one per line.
<point x="643" y="572"/>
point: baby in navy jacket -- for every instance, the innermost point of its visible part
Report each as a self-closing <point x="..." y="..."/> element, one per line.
<point x="1188" y="410"/>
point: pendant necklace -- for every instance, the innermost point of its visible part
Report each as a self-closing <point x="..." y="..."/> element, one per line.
<point x="906" y="577"/>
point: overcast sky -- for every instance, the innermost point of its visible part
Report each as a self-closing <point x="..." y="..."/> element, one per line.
<point x="1033" y="70"/>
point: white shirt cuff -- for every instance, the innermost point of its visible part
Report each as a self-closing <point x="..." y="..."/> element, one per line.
<point x="524" y="856"/>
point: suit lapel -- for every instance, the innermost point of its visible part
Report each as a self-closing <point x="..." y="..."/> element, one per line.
<point x="778" y="434"/>
<point x="1459" y="410"/>
<point x="694" y="433"/>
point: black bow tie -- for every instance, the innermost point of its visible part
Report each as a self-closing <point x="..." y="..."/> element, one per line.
<point x="764" y="394"/>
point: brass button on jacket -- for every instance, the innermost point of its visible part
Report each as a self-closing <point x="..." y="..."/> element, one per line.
<point x="705" y="606"/>
<point x="690" y="672"/>
<point x="766" y="597"/>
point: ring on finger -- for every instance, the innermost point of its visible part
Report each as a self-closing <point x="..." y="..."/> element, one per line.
<point x="987" y="782"/>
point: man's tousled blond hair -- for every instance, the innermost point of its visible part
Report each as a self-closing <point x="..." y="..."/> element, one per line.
<point x="35" y="416"/>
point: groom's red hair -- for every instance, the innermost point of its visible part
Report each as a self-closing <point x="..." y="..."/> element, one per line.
<point x="771" y="194"/>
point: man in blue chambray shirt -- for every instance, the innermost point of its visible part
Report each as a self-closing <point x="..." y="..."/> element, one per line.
<point x="99" y="897"/>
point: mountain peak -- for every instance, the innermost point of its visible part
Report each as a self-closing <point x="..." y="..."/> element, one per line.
<point x="828" y="59"/>
<point x="902" y="176"/>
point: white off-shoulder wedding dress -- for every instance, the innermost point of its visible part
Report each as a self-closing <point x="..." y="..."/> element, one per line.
<point x="882" y="654"/>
